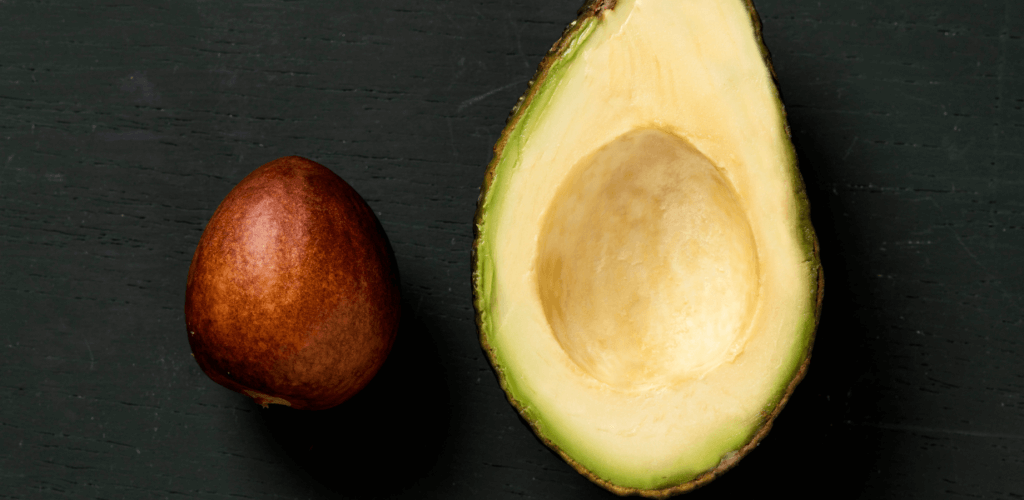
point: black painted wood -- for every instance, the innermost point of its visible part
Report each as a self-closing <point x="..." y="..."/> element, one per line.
<point x="123" y="125"/>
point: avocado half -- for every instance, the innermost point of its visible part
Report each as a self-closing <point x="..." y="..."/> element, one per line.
<point x="645" y="274"/>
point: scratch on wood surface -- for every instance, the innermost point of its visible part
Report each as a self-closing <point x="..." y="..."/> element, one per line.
<point x="936" y="430"/>
<point x="92" y="359"/>
<point x="850" y="149"/>
<point x="473" y="100"/>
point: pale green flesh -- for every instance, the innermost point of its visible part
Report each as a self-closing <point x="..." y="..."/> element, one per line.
<point x="510" y="316"/>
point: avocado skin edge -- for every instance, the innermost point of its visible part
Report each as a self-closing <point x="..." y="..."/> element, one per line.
<point x="593" y="9"/>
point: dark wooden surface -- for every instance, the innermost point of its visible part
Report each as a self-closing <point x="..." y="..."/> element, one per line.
<point x="123" y="125"/>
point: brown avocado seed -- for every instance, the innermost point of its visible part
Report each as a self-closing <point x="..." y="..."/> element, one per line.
<point x="293" y="293"/>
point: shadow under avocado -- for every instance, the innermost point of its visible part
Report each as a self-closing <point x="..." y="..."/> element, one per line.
<point x="386" y="437"/>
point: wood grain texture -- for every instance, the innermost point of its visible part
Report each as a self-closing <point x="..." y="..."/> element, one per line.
<point x="123" y="125"/>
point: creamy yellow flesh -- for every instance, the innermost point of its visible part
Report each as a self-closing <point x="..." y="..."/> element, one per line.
<point x="643" y="268"/>
<point x="646" y="265"/>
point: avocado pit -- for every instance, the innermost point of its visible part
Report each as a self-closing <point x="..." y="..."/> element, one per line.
<point x="293" y="295"/>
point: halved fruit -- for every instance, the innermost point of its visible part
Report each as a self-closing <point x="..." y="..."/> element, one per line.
<point x="645" y="273"/>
